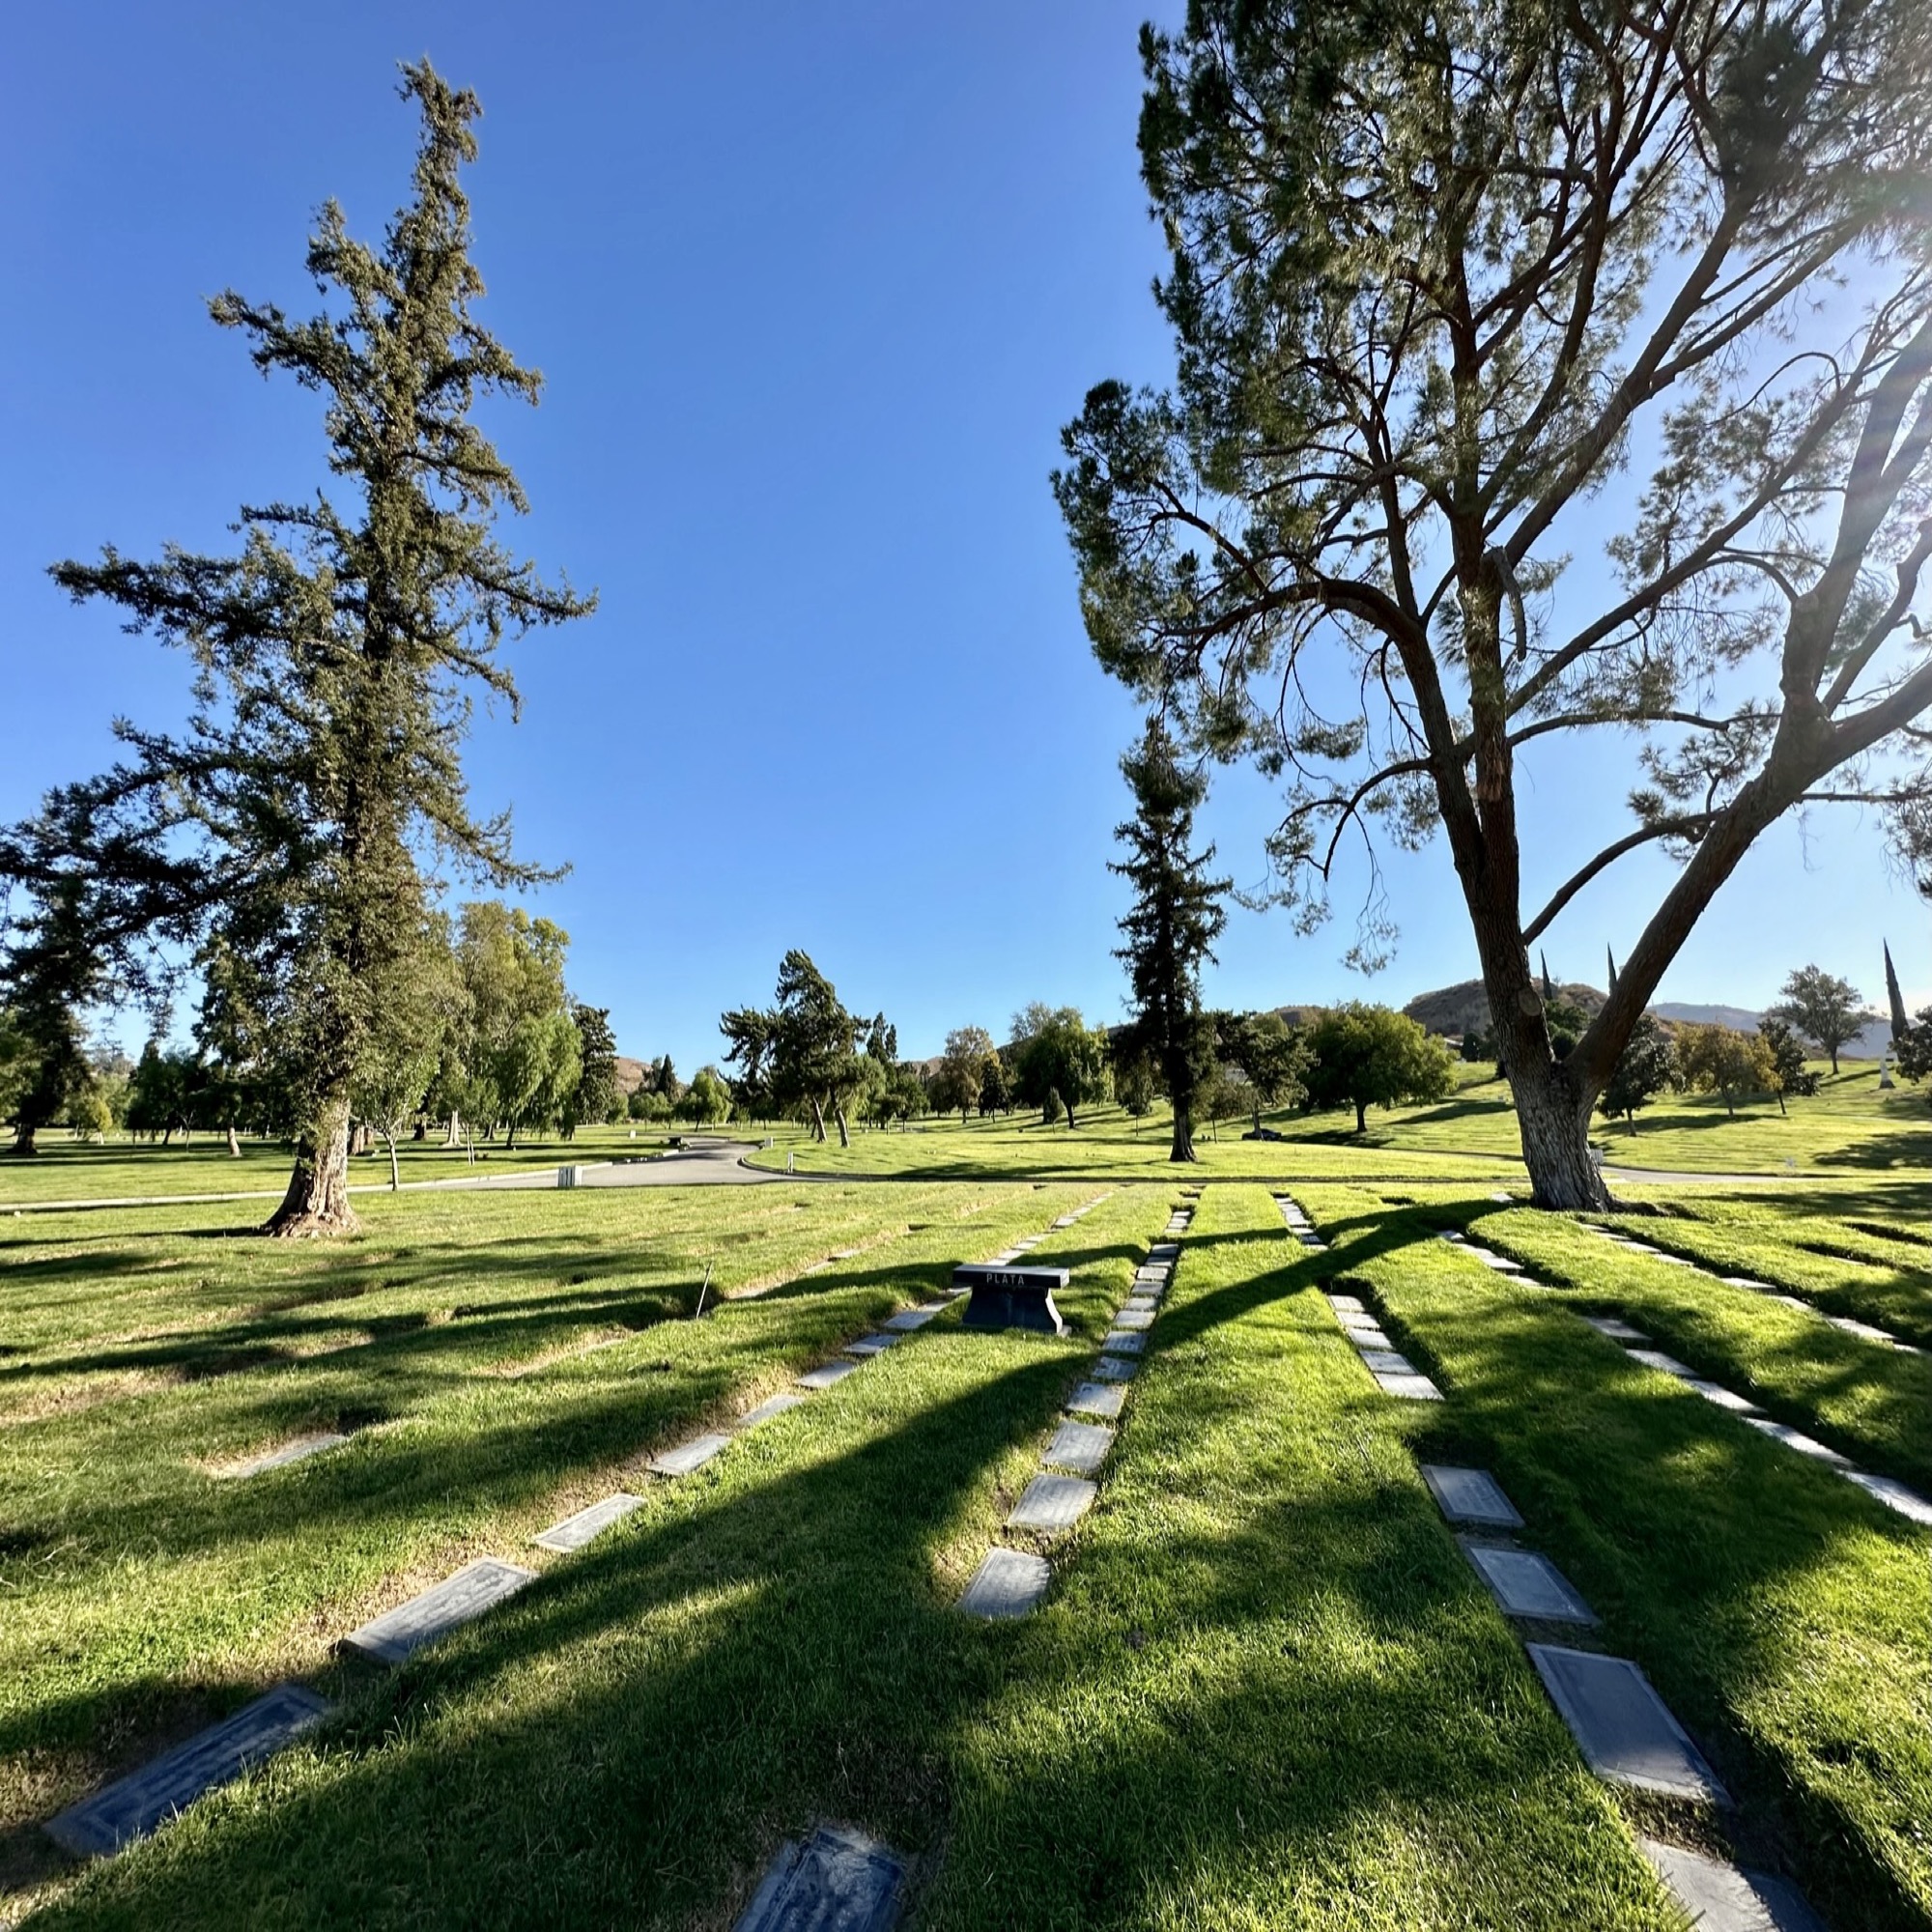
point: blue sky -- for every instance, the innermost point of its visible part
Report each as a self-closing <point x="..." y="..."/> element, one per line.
<point x="813" y="290"/>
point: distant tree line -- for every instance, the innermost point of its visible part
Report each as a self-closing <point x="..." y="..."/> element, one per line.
<point x="484" y="1039"/>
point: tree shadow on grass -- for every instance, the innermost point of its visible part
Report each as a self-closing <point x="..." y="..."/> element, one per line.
<point x="627" y="1740"/>
<point x="1686" y="1531"/>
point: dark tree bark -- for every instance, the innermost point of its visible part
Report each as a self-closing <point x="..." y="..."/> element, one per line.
<point x="1182" y="1149"/>
<point x="317" y="1202"/>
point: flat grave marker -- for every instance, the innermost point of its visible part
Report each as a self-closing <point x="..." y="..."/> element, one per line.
<point x="459" y="1598"/>
<point x="1134" y="1319"/>
<point x="1667" y="1365"/>
<point x="1386" y="1363"/>
<point x="1893" y="1494"/>
<point x="1008" y="1583"/>
<point x="1123" y="1341"/>
<point x="1616" y="1329"/>
<point x="1115" y="1369"/>
<point x="1053" y="1503"/>
<point x="131" y="1807"/>
<point x="1622" y="1727"/>
<point x="837" y="1881"/>
<point x="909" y="1319"/>
<point x="574" y="1531"/>
<point x="1527" y="1584"/>
<point x="1721" y="1898"/>
<point x="1722" y="1397"/>
<point x="1806" y="1445"/>
<point x="773" y="1405"/>
<point x="869" y="1345"/>
<point x="1079" y="1446"/>
<point x="297" y="1451"/>
<point x="683" y="1458"/>
<point x="828" y="1373"/>
<point x="1098" y="1399"/>
<point x="1470" y="1496"/>
<point x="1348" y="1305"/>
<point x="1410" y="1389"/>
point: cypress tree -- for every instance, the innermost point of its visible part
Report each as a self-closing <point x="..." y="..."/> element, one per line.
<point x="1172" y="925"/>
<point x="336" y="657"/>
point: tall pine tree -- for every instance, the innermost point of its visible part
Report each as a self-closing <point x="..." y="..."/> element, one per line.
<point x="336" y="657"/>
<point x="1172" y="925"/>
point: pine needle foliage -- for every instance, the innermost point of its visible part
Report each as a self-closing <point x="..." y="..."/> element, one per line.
<point x="297" y="821"/>
<point x="1170" y="927"/>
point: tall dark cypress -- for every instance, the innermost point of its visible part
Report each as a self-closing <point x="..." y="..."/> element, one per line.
<point x="1172" y="925"/>
<point x="336" y="657"/>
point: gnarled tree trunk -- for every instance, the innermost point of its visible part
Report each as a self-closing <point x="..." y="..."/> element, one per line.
<point x="317" y="1202"/>
<point x="1182" y="1148"/>
<point x="1554" y="1119"/>
<point x="844" y="1132"/>
<point x="234" y="1143"/>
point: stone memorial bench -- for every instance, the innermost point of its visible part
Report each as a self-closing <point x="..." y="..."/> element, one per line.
<point x="1007" y="1296"/>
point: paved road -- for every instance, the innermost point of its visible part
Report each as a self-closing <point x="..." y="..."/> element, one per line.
<point x="706" y="1163"/>
<point x="701" y="1163"/>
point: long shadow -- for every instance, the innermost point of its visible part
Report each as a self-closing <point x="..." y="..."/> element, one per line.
<point x="626" y="1741"/>
<point x="1681" y="1527"/>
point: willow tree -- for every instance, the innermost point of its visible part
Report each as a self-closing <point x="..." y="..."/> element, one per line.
<point x="1441" y="271"/>
<point x="295" y="818"/>
<point x="1172" y="925"/>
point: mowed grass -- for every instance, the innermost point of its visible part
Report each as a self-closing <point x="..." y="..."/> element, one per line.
<point x="1872" y="1401"/>
<point x="69" y="1168"/>
<point x="1862" y="1252"/>
<point x="1848" y="1127"/>
<point x="766" y="1642"/>
<point x="1265" y="1692"/>
<point x="1108" y="1145"/>
<point x="1785" y="1616"/>
<point x="1270" y="1691"/>
<point x="498" y="1355"/>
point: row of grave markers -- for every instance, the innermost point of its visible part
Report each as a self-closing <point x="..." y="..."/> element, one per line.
<point x="840" y="1879"/>
<point x="1865" y="1331"/>
<point x="1011" y="1582"/>
<point x="1886" y="1490"/>
<point x="1627" y="1733"/>
<point x="135" y="1805"/>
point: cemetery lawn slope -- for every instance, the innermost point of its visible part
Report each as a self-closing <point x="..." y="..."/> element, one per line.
<point x="493" y="1359"/>
<point x="1781" y="1613"/>
<point x="1270" y="1691"/>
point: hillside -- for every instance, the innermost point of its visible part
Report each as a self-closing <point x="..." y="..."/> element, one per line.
<point x="1463" y="1008"/>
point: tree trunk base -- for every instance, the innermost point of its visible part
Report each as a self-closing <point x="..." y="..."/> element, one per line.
<point x="1555" y="1132"/>
<point x="316" y="1206"/>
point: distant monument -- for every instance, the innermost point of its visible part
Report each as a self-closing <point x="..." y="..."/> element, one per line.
<point x="1900" y="1025"/>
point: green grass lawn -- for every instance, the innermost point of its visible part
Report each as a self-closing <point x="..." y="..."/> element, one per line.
<point x="1848" y="1128"/>
<point x="67" y="1169"/>
<point x="1109" y="1145"/>
<point x="1265" y="1690"/>
<point x="1784" y="1615"/>
<point x="458" y="1336"/>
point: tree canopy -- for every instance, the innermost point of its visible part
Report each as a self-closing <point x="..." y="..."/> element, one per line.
<point x="1823" y="1008"/>
<point x="804" y="1050"/>
<point x="1365" y="1057"/>
<point x="1059" y="1063"/>
<point x="335" y="654"/>
<point x="1437" y="273"/>
<point x="1173" y="922"/>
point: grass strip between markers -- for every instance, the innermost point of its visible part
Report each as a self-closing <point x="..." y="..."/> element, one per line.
<point x="1782" y="1614"/>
